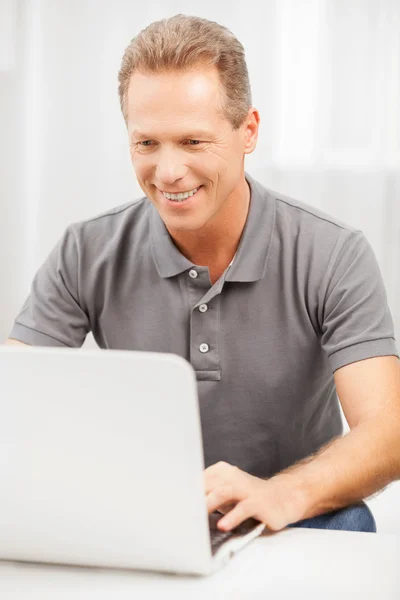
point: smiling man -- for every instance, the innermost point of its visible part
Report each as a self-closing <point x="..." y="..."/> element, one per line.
<point x="188" y="160"/>
<point x="280" y="308"/>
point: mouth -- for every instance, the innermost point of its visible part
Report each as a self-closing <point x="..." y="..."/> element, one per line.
<point x="182" y="202"/>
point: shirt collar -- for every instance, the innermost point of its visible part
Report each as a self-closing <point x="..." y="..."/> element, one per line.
<point x="252" y="253"/>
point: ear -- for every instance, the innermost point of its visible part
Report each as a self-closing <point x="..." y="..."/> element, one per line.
<point x="251" y="130"/>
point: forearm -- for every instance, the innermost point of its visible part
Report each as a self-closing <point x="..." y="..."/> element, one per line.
<point x="346" y="470"/>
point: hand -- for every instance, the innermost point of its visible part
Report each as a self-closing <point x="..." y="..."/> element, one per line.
<point x="271" y="501"/>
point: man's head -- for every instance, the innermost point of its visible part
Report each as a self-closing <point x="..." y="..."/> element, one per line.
<point x="186" y="99"/>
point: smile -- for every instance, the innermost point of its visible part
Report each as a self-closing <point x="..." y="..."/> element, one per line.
<point x="181" y="196"/>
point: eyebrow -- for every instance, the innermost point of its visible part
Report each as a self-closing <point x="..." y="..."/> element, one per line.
<point x="190" y="135"/>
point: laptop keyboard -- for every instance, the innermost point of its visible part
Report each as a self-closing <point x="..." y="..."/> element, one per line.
<point x="218" y="538"/>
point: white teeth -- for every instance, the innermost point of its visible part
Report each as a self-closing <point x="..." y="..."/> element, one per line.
<point x="180" y="197"/>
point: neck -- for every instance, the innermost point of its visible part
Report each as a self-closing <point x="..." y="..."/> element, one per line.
<point x="215" y="244"/>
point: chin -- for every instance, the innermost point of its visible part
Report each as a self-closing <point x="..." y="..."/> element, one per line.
<point x="179" y="226"/>
<point x="184" y="224"/>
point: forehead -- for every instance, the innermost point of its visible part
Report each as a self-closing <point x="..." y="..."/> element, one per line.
<point x="176" y="98"/>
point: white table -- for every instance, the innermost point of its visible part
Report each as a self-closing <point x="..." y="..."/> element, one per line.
<point x="294" y="563"/>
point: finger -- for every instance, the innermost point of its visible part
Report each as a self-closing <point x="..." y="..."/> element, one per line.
<point x="211" y="478"/>
<point x="217" y="473"/>
<point x="235" y="517"/>
<point x="210" y="483"/>
<point x="219" y="497"/>
<point x="218" y="467"/>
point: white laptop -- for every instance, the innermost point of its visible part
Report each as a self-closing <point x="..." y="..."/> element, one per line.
<point x="101" y="463"/>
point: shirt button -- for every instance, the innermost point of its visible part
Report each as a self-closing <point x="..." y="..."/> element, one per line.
<point x="204" y="348"/>
<point x="203" y="308"/>
<point x="192" y="273"/>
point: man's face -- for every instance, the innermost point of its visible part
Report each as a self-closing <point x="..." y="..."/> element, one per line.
<point x="180" y="143"/>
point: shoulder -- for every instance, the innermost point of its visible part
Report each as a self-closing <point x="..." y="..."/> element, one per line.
<point x="112" y="225"/>
<point x="310" y="231"/>
<point x="309" y="217"/>
<point x="308" y="240"/>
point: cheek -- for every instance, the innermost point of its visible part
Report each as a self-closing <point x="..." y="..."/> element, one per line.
<point x="141" y="167"/>
<point x="223" y="158"/>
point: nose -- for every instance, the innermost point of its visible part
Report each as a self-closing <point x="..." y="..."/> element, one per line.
<point x="170" y="169"/>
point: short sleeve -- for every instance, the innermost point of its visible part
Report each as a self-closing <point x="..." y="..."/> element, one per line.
<point x="357" y="323"/>
<point x="52" y="314"/>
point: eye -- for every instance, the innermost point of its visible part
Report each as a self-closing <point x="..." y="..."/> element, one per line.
<point x="145" y="143"/>
<point x="195" y="142"/>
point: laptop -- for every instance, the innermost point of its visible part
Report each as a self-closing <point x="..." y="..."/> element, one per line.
<point x="101" y="463"/>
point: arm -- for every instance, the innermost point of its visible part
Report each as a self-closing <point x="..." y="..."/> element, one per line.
<point x="53" y="314"/>
<point x="367" y="459"/>
<point x="11" y="342"/>
<point x="344" y="471"/>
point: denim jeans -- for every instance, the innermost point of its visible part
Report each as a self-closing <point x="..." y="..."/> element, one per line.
<point x="356" y="517"/>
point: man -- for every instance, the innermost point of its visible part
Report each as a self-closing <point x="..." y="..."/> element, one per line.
<point x="276" y="305"/>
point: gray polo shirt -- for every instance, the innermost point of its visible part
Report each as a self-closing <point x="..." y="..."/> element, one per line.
<point x="303" y="297"/>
